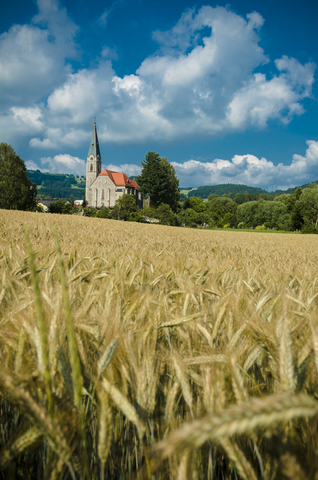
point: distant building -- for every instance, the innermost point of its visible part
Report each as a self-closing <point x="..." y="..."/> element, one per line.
<point x="103" y="188"/>
<point x="45" y="201"/>
<point x="43" y="206"/>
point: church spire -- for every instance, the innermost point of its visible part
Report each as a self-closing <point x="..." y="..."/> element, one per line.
<point x="94" y="145"/>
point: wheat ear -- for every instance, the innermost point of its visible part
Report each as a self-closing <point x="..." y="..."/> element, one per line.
<point x="236" y="420"/>
<point x="42" y="326"/>
<point x="77" y="378"/>
<point x="105" y="430"/>
<point x="24" y="441"/>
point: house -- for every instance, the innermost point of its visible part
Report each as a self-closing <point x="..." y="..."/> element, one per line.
<point x="103" y="188"/>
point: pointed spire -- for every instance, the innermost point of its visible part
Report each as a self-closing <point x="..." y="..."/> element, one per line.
<point x="94" y="145"/>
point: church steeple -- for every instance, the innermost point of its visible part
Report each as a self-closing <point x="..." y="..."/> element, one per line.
<point x="93" y="164"/>
<point x="94" y="145"/>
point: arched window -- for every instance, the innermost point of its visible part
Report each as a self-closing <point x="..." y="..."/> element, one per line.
<point x="103" y="194"/>
<point x="91" y="167"/>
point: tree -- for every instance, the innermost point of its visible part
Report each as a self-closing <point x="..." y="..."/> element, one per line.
<point x="245" y="214"/>
<point x="195" y="203"/>
<point x="103" y="212"/>
<point x="17" y="192"/>
<point x="219" y="207"/>
<point x="297" y="217"/>
<point x="126" y="209"/>
<point x="308" y="202"/>
<point x="189" y="217"/>
<point x="158" y="179"/>
<point x="72" y="200"/>
<point x="166" y="215"/>
<point x="172" y="196"/>
<point x="60" y="206"/>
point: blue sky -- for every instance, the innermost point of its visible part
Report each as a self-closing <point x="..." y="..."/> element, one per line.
<point x="225" y="91"/>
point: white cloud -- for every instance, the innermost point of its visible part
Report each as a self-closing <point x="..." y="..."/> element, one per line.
<point x="30" y="165"/>
<point x="33" y="62"/>
<point x="28" y="118"/>
<point x="32" y="59"/>
<point x="201" y="83"/>
<point x="241" y="169"/>
<point x="250" y="170"/>
<point x="65" y="163"/>
<point x="129" y="168"/>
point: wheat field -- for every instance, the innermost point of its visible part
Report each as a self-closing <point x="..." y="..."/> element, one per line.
<point x="150" y="352"/>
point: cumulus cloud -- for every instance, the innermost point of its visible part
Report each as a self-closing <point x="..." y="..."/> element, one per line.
<point x="240" y="169"/>
<point x="251" y="170"/>
<point x="33" y="62"/>
<point x="200" y="83"/>
<point x="205" y="79"/>
<point x="30" y="165"/>
<point x="33" y="59"/>
<point x="129" y="168"/>
<point x="64" y="163"/>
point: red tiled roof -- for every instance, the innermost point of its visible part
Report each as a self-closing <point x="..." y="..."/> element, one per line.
<point x="120" y="179"/>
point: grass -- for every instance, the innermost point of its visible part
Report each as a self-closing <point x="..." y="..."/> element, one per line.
<point x="253" y="230"/>
<point x="143" y="351"/>
<point x="185" y="191"/>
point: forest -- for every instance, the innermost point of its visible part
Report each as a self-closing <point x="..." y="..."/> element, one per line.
<point x="57" y="185"/>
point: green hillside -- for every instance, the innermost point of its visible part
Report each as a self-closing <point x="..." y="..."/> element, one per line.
<point x="225" y="189"/>
<point x="293" y="190"/>
<point x="56" y="185"/>
<point x="59" y="185"/>
<point x="205" y="191"/>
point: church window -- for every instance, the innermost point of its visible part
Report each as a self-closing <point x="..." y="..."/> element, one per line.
<point x="103" y="194"/>
<point x="91" y="167"/>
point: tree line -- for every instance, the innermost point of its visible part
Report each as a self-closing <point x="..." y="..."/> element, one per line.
<point x="158" y="181"/>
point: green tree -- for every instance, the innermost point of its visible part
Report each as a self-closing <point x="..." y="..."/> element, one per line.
<point x="172" y="195"/>
<point x="126" y="209"/>
<point x="166" y="216"/>
<point x="17" y="192"/>
<point x="245" y="214"/>
<point x="158" y="179"/>
<point x="222" y="210"/>
<point x="90" y="212"/>
<point x="103" y="212"/>
<point x="196" y="203"/>
<point x="284" y="222"/>
<point x="72" y="200"/>
<point x="189" y="217"/>
<point x="152" y="179"/>
<point x="297" y="217"/>
<point x="61" y="206"/>
<point x="212" y="196"/>
<point x="308" y="202"/>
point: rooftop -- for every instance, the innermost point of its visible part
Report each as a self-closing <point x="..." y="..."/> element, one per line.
<point x="120" y="179"/>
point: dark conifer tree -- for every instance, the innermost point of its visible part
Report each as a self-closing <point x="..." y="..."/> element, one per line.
<point x="158" y="180"/>
<point x="17" y="192"/>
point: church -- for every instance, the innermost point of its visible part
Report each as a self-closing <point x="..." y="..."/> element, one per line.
<point x="103" y="188"/>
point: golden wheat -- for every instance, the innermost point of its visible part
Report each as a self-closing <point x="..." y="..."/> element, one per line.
<point x="144" y="351"/>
